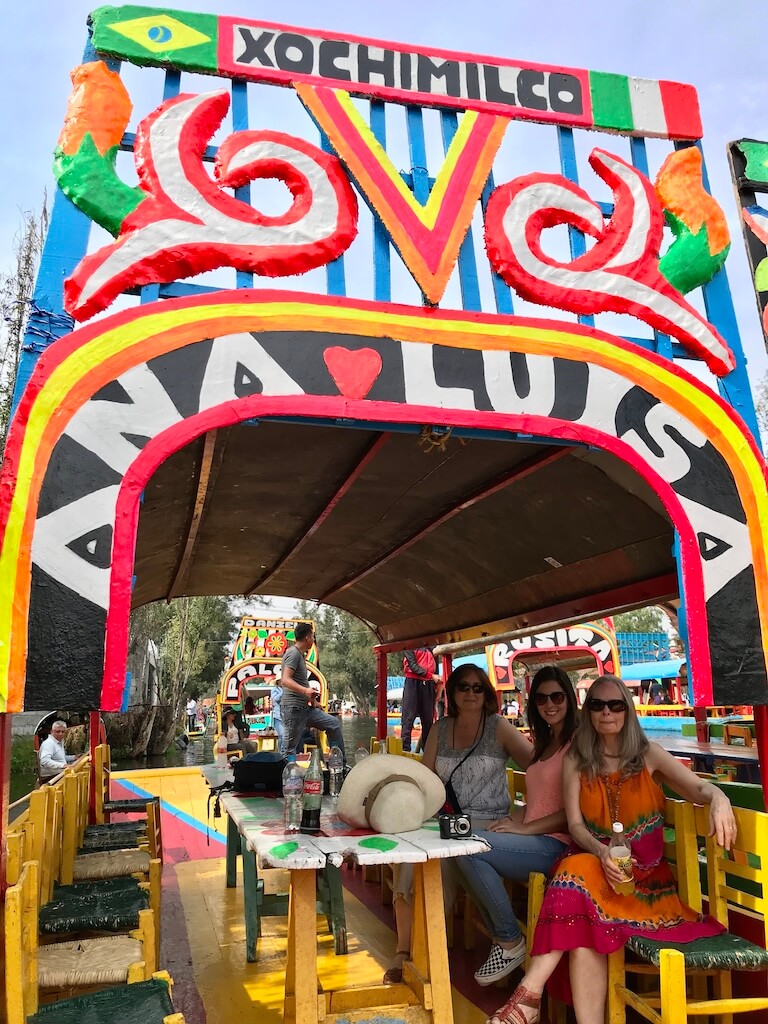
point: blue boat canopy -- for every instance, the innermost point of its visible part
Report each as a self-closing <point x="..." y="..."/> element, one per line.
<point x="652" y="670"/>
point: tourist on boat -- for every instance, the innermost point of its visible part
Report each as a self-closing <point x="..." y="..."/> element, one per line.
<point x="236" y="731"/>
<point x="191" y="714"/>
<point x="419" y="693"/>
<point x="52" y="758"/>
<point x="658" y="692"/>
<point x="300" y="705"/>
<point x="612" y="773"/>
<point x="468" y="750"/>
<point x="531" y="838"/>
<point x="276" y="694"/>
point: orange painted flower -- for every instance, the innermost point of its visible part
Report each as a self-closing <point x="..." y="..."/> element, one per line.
<point x="98" y="104"/>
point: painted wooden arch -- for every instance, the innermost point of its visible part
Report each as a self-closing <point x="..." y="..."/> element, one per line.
<point x="116" y="398"/>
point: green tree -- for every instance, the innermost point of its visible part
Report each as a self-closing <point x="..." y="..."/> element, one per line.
<point x="16" y="290"/>
<point x="641" y="620"/>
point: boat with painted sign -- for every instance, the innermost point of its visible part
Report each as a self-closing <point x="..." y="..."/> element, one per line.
<point x="406" y="443"/>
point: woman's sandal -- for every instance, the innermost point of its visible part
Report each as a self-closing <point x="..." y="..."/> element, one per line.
<point x="511" y="1012"/>
<point x="394" y="973"/>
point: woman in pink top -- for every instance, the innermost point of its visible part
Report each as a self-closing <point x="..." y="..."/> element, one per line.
<point x="533" y="837"/>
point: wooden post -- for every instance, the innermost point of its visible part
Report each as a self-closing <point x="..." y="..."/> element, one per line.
<point x="5" y="789"/>
<point x="702" y="731"/>
<point x="94" y="727"/>
<point x="761" y="737"/>
<point x="381" y="694"/>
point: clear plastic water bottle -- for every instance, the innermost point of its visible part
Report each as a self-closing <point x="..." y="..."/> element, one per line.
<point x="360" y="753"/>
<point x="293" y="787"/>
<point x="221" y="751"/>
<point x="335" y="771"/>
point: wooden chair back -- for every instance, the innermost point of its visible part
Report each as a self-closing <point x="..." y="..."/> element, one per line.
<point x="738" y="878"/>
<point x="21" y="999"/>
<point x="102" y="771"/>
<point x="737" y="735"/>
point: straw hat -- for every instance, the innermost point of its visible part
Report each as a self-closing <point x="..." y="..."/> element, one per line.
<point x="390" y="793"/>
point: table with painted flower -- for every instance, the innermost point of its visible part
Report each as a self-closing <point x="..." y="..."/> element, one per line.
<point x="426" y="987"/>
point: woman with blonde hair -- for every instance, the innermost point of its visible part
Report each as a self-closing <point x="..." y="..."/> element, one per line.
<point x="612" y="773"/>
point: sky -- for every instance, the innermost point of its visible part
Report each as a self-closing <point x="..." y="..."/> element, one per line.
<point x="718" y="47"/>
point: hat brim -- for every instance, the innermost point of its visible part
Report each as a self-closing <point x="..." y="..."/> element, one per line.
<point x="398" y="804"/>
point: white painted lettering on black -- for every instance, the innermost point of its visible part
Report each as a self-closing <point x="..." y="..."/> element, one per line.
<point x="230" y="356"/>
<point x="100" y="426"/>
<point x="54" y="532"/>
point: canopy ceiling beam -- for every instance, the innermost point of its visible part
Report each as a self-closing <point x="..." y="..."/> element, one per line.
<point x="610" y="602"/>
<point x="295" y="547"/>
<point x="214" y="446"/>
<point x="522" y="470"/>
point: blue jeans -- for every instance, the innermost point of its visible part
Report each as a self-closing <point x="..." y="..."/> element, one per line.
<point x="296" y="721"/>
<point x="511" y="856"/>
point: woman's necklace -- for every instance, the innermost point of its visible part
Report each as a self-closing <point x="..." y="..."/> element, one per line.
<point x="613" y="792"/>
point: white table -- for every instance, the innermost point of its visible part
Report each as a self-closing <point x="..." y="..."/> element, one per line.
<point x="426" y="979"/>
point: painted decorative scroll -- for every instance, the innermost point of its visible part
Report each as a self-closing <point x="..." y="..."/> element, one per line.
<point x="702" y="240"/>
<point x="68" y="537"/>
<point x="429" y="236"/>
<point x="756" y="219"/>
<point x="620" y="272"/>
<point x="260" y="51"/>
<point x="185" y="224"/>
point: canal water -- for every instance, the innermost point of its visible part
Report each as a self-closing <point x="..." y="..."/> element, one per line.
<point x="355" y="729"/>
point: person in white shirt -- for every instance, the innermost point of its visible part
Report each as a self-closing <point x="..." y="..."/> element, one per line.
<point x="52" y="757"/>
<point x="191" y="714"/>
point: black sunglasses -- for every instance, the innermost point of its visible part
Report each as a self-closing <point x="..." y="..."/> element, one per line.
<point x="474" y="687"/>
<point x="541" y="699"/>
<point x="616" y="706"/>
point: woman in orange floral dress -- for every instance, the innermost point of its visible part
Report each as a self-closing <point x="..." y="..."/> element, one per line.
<point x="612" y="773"/>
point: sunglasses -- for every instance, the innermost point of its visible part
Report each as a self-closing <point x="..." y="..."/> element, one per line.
<point x="541" y="699"/>
<point x="616" y="706"/>
<point x="474" y="687"/>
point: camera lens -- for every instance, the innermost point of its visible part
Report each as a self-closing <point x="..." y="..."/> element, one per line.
<point x="463" y="826"/>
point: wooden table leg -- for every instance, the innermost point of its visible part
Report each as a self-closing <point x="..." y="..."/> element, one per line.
<point x="233" y="848"/>
<point x="250" y="902"/>
<point x="301" y="1003"/>
<point x="429" y="943"/>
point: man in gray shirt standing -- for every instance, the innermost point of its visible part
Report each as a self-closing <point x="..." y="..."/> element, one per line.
<point x="298" y="705"/>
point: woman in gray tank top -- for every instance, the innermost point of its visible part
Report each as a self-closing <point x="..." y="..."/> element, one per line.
<point x="469" y="749"/>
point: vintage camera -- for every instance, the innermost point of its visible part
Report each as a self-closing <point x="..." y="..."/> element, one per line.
<point x="455" y="826"/>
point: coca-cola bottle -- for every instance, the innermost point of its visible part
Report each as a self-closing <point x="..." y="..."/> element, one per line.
<point x="313" y="794"/>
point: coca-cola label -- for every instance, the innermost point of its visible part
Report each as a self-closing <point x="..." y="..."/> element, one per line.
<point x="313" y="787"/>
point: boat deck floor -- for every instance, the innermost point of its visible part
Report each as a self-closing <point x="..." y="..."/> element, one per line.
<point x="203" y="926"/>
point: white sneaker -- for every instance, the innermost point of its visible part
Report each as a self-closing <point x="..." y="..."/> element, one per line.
<point x="500" y="963"/>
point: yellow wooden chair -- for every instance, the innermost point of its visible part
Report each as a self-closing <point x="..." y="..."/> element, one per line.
<point x="737" y="735"/>
<point x="66" y="965"/>
<point x="704" y="961"/>
<point x="105" y="805"/>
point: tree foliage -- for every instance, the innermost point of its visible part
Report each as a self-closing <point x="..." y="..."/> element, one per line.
<point x="191" y="635"/>
<point x="16" y="289"/>
<point x="641" y="620"/>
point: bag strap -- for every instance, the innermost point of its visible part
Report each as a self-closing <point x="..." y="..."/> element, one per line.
<point x="467" y="755"/>
<point x="373" y="793"/>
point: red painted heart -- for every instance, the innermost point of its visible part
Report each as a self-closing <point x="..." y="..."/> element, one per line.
<point x="354" y="370"/>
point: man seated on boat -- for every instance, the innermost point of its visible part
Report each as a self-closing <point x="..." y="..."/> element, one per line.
<point x="300" y="705"/>
<point x="52" y="757"/>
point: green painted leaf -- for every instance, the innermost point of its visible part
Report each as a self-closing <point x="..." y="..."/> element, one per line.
<point x="378" y="843"/>
<point x="89" y="180"/>
<point x="761" y="276"/>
